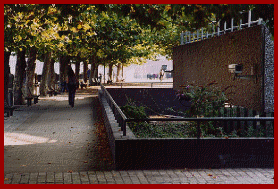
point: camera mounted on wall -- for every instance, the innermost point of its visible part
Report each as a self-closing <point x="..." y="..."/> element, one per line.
<point x="237" y="69"/>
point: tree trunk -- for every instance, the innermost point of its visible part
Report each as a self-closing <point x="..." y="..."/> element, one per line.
<point x="77" y="70"/>
<point x="30" y="72"/>
<point x="64" y="61"/>
<point x="94" y="71"/>
<point x="19" y="77"/>
<point x="85" y="76"/>
<point x="45" y="73"/>
<point x="110" y="79"/>
<point x="6" y="75"/>
<point x="51" y="76"/>
<point x="91" y="61"/>
<point x="119" y="69"/>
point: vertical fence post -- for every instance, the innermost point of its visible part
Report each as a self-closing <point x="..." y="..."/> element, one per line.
<point x="198" y="130"/>
<point x="225" y="122"/>
<point x="218" y="28"/>
<point x="245" y="112"/>
<point x="238" y="122"/>
<point x="202" y="33"/>
<point x="240" y="23"/>
<point x="249" y="18"/>
<point x="263" y="124"/>
<point x="225" y="27"/>
<point x="260" y="21"/>
<point x="124" y="127"/>
<point x="232" y="25"/>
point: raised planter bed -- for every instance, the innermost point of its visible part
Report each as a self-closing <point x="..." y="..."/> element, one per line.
<point x="130" y="152"/>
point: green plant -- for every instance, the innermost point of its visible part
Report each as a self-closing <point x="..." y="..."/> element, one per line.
<point x="251" y="132"/>
<point x="206" y="101"/>
<point x="233" y="134"/>
<point x="131" y="110"/>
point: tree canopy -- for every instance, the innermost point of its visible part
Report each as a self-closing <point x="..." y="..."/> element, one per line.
<point x="114" y="31"/>
<point x="109" y="34"/>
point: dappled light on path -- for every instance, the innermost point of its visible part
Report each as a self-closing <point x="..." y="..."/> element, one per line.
<point x="24" y="139"/>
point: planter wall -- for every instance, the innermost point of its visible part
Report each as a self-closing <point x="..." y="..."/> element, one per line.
<point x="158" y="100"/>
<point x="130" y="152"/>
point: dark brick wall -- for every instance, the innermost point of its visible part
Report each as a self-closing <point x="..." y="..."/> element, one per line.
<point x="202" y="62"/>
<point x="158" y="100"/>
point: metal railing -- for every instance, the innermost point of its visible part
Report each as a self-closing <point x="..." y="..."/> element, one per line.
<point x="119" y="115"/>
<point x="200" y="34"/>
<point x="147" y="83"/>
<point x="123" y="120"/>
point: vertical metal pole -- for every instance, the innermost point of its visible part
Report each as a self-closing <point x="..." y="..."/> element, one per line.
<point x="198" y="130"/>
<point x="124" y="127"/>
<point x="218" y="29"/>
<point x="225" y="27"/>
<point x="249" y="18"/>
<point x="240" y="22"/>
<point x="202" y="33"/>
<point x="232" y="25"/>
<point x="198" y="144"/>
<point x="260" y="21"/>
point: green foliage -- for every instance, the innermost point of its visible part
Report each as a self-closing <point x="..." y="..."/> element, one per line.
<point x="131" y="110"/>
<point x="206" y="100"/>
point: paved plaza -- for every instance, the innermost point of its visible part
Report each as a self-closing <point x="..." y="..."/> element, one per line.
<point x="53" y="143"/>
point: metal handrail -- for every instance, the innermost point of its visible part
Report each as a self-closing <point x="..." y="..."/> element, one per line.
<point x="206" y="119"/>
<point x="116" y="108"/>
<point x="156" y="82"/>
<point x="198" y="120"/>
<point x="201" y="119"/>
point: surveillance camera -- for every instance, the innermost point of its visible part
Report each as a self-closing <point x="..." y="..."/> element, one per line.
<point x="235" y="68"/>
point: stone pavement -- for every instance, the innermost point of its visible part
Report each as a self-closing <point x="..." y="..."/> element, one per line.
<point x="177" y="176"/>
<point x="52" y="143"/>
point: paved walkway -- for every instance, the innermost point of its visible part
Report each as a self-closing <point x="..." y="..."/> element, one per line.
<point x="50" y="142"/>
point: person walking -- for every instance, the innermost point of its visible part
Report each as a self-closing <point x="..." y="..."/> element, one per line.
<point x="72" y="85"/>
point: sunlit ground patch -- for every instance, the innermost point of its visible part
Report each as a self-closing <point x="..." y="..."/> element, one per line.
<point x="24" y="139"/>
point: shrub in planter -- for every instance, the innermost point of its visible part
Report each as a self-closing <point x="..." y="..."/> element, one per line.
<point x="205" y="100"/>
<point x="131" y="110"/>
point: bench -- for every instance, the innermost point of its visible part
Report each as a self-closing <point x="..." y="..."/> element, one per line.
<point x="52" y="92"/>
<point x="30" y="97"/>
<point x="9" y="110"/>
<point x="83" y="85"/>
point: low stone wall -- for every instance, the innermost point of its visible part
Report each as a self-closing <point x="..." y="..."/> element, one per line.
<point x="112" y="127"/>
<point x="130" y="152"/>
